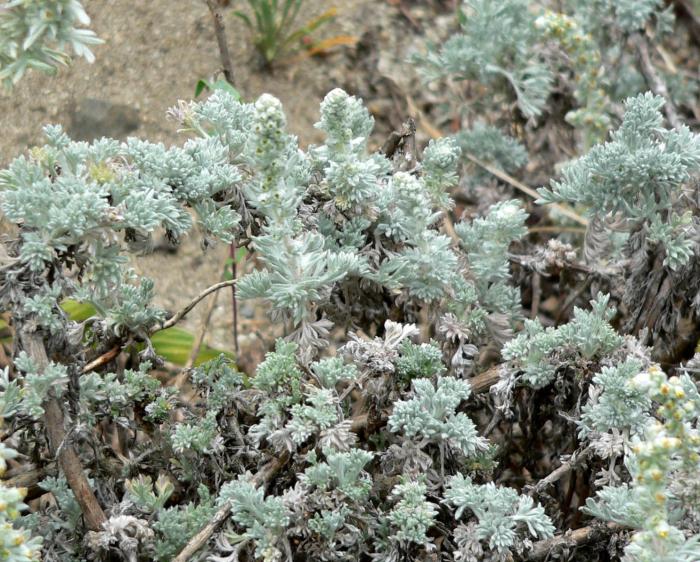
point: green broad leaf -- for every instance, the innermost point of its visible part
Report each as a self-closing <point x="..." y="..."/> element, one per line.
<point x="220" y="84"/>
<point x="241" y="253"/>
<point x="78" y="311"/>
<point x="200" y="87"/>
<point x="175" y="346"/>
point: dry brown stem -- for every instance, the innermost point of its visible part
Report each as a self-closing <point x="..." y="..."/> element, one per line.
<point x="68" y="459"/>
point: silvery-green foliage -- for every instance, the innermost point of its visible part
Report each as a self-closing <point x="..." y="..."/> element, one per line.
<point x="279" y="372"/>
<point x="615" y="403"/>
<point x="219" y="381"/>
<point x="263" y="518"/>
<point x="351" y="175"/>
<point x="660" y="502"/>
<point x="496" y="46"/>
<point x="219" y="384"/>
<point x="505" y="518"/>
<point x="175" y="525"/>
<point x="486" y="241"/>
<point x="146" y="494"/>
<point x="431" y="416"/>
<point x="335" y="215"/>
<point x="412" y="515"/>
<point x="538" y="352"/>
<point x="35" y="386"/>
<point x="65" y="500"/>
<point x="342" y="471"/>
<point x="489" y="144"/>
<point x="440" y="160"/>
<point x="301" y="271"/>
<point x="618" y="504"/>
<point x="16" y="543"/>
<point x="37" y="33"/>
<point x="602" y="16"/>
<point x="110" y="394"/>
<point x="44" y="307"/>
<point x="638" y="175"/>
<point x="280" y="378"/>
<point x="132" y="310"/>
<point x="96" y="201"/>
<point x="419" y="361"/>
<point x="331" y="370"/>
<point x="318" y="414"/>
<point x="10" y="397"/>
<point x="199" y="437"/>
<point x="300" y="267"/>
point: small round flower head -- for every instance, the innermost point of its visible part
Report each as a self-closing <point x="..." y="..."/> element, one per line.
<point x="269" y="116"/>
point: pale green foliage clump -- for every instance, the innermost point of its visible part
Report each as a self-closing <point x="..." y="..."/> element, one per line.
<point x="173" y="525"/>
<point x="16" y="544"/>
<point x="264" y="518"/>
<point x="638" y="175"/>
<point x="496" y="45"/>
<point x="431" y="416"/>
<point x="35" y="34"/>
<point x="504" y="517"/>
<point x="621" y="405"/>
<point x="96" y="200"/>
<point x="331" y="370"/>
<point x="538" y="352"/>
<point x="412" y="515"/>
<point x="663" y="471"/>
<point x="351" y="174"/>
<point x="489" y="292"/>
<point x="489" y="144"/>
<point x="440" y="160"/>
<point x="342" y="470"/>
<point x="358" y="200"/>
<point x="625" y="15"/>
<point x="25" y="394"/>
<point x="419" y="361"/>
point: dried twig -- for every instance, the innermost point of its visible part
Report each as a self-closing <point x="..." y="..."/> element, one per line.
<point x="654" y="81"/>
<point x="102" y="359"/>
<point x="541" y="549"/>
<point x="577" y="459"/>
<point x="221" y="40"/>
<point x="172" y="321"/>
<point x="261" y="478"/>
<point x="234" y="301"/>
<point x="68" y="459"/>
<point x="196" y="348"/>
<point x="520" y="186"/>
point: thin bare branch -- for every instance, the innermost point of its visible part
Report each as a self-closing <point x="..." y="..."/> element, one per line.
<point x="173" y="320"/>
<point x="220" y="31"/>
<point x="654" y="81"/>
<point x="576" y="460"/>
<point x="585" y="535"/>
